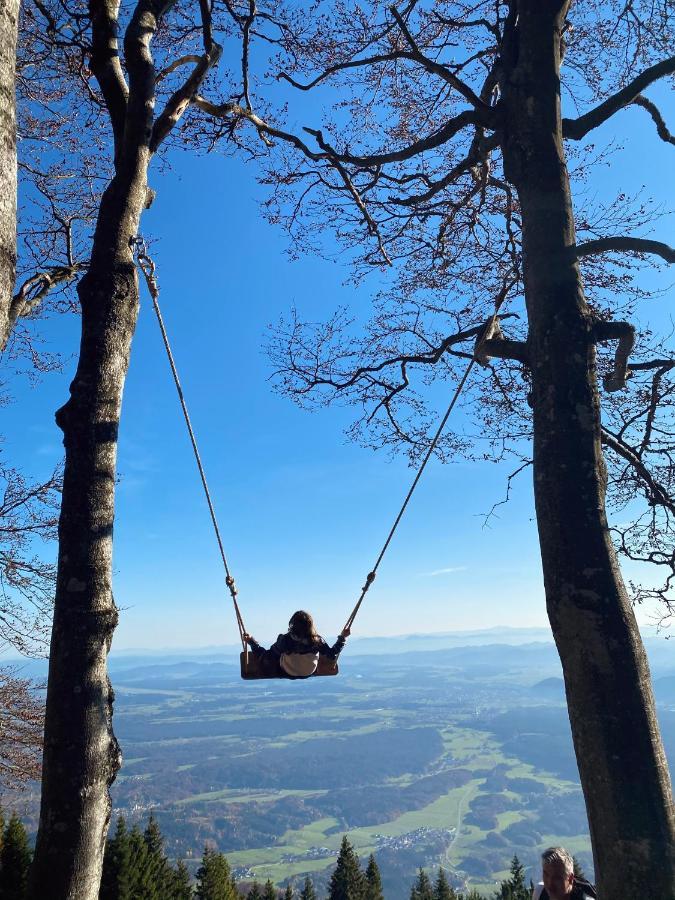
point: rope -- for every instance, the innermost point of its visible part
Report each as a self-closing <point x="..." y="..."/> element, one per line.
<point x="147" y="267"/>
<point x="483" y="335"/>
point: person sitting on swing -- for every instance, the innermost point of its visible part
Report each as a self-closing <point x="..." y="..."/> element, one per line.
<point x="296" y="653"/>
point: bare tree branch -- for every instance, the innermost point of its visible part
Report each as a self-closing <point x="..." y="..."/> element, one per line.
<point x="479" y="152"/>
<point x="468" y="23"/>
<point x="653" y="364"/>
<point x="187" y="60"/>
<point x="230" y="111"/>
<point x="245" y="49"/>
<point x="654" y="491"/>
<point x="431" y="142"/>
<point x="33" y="291"/>
<point x="621" y="244"/>
<point x="343" y="66"/>
<point x="21" y="721"/>
<point x="624" y="332"/>
<point x="659" y="121"/>
<point x="106" y="66"/>
<point x="503" y="348"/>
<point x="506" y="349"/>
<point x="507" y="495"/>
<point x="437" y="69"/>
<point x="576" y="129"/>
<point x="207" y="29"/>
<point x="181" y="99"/>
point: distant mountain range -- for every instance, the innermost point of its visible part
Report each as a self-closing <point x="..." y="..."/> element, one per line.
<point x="661" y="651"/>
<point x="368" y="646"/>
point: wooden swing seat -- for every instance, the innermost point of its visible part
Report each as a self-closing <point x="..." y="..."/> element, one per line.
<point x="254" y="667"/>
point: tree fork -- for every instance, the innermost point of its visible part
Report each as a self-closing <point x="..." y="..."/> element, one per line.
<point x="624" y="773"/>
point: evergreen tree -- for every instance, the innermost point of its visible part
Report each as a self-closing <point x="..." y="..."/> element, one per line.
<point x="288" y="893"/>
<point x="157" y="877"/>
<point x="15" y="857"/>
<point x="181" y="886"/>
<point x="254" y="893"/>
<point x="442" y="889"/>
<point x="346" y="882"/>
<point x="116" y="879"/>
<point x="308" y="892"/>
<point x="373" y="881"/>
<point x="135" y="867"/>
<point x="269" y="891"/>
<point x="140" y="866"/>
<point x="514" y="888"/>
<point x="519" y="888"/>
<point x="214" y="878"/>
<point x="422" y="889"/>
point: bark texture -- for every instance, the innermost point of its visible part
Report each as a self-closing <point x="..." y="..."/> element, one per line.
<point x="9" y="14"/>
<point x="81" y="755"/>
<point x="623" y="769"/>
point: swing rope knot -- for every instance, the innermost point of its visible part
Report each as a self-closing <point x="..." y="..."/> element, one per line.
<point x="370" y="578"/>
<point x="229" y="581"/>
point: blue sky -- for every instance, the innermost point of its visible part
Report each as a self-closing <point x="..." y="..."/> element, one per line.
<point x="303" y="513"/>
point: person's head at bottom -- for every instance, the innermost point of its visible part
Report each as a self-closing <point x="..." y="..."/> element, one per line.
<point x="557" y="873"/>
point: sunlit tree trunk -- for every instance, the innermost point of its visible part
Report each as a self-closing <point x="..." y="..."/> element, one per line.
<point x="81" y="755"/>
<point x="623" y="769"/>
<point x="9" y="12"/>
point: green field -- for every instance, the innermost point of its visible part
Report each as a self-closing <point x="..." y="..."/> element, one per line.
<point x="470" y="749"/>
<point x="420" y="766"/>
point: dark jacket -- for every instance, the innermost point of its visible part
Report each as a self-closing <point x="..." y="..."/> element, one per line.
<point x="285" y="643"/>
<point x="582" y="890"/>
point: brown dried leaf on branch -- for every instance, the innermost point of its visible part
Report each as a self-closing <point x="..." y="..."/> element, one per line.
<point x="402" y="159"/>
<point x="21" y="722"/>
<point x="28" y="520"/>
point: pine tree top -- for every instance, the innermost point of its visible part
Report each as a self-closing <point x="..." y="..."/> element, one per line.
<point x="347" y="881"/>
<point x="422" y="888"/>
<point x="269" y="891"/>
<point x="442" y="889"/>
<point x="214" y="878"/>
<point x="373" y="885"/>
<point x="308" y="892"/>
<point x="15" y="859"/>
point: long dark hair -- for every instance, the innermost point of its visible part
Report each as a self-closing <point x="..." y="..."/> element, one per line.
<point x="301" y="626"/>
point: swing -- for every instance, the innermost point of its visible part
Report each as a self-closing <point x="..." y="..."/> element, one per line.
<point x="255" y="667"/>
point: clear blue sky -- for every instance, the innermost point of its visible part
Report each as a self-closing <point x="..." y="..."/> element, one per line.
<point x="303" y="513"/>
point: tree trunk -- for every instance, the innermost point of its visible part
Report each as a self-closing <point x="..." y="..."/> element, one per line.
<point x="9" y="14"/>
<point x="622" y="765"/>
<point x="81" y="756"/>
